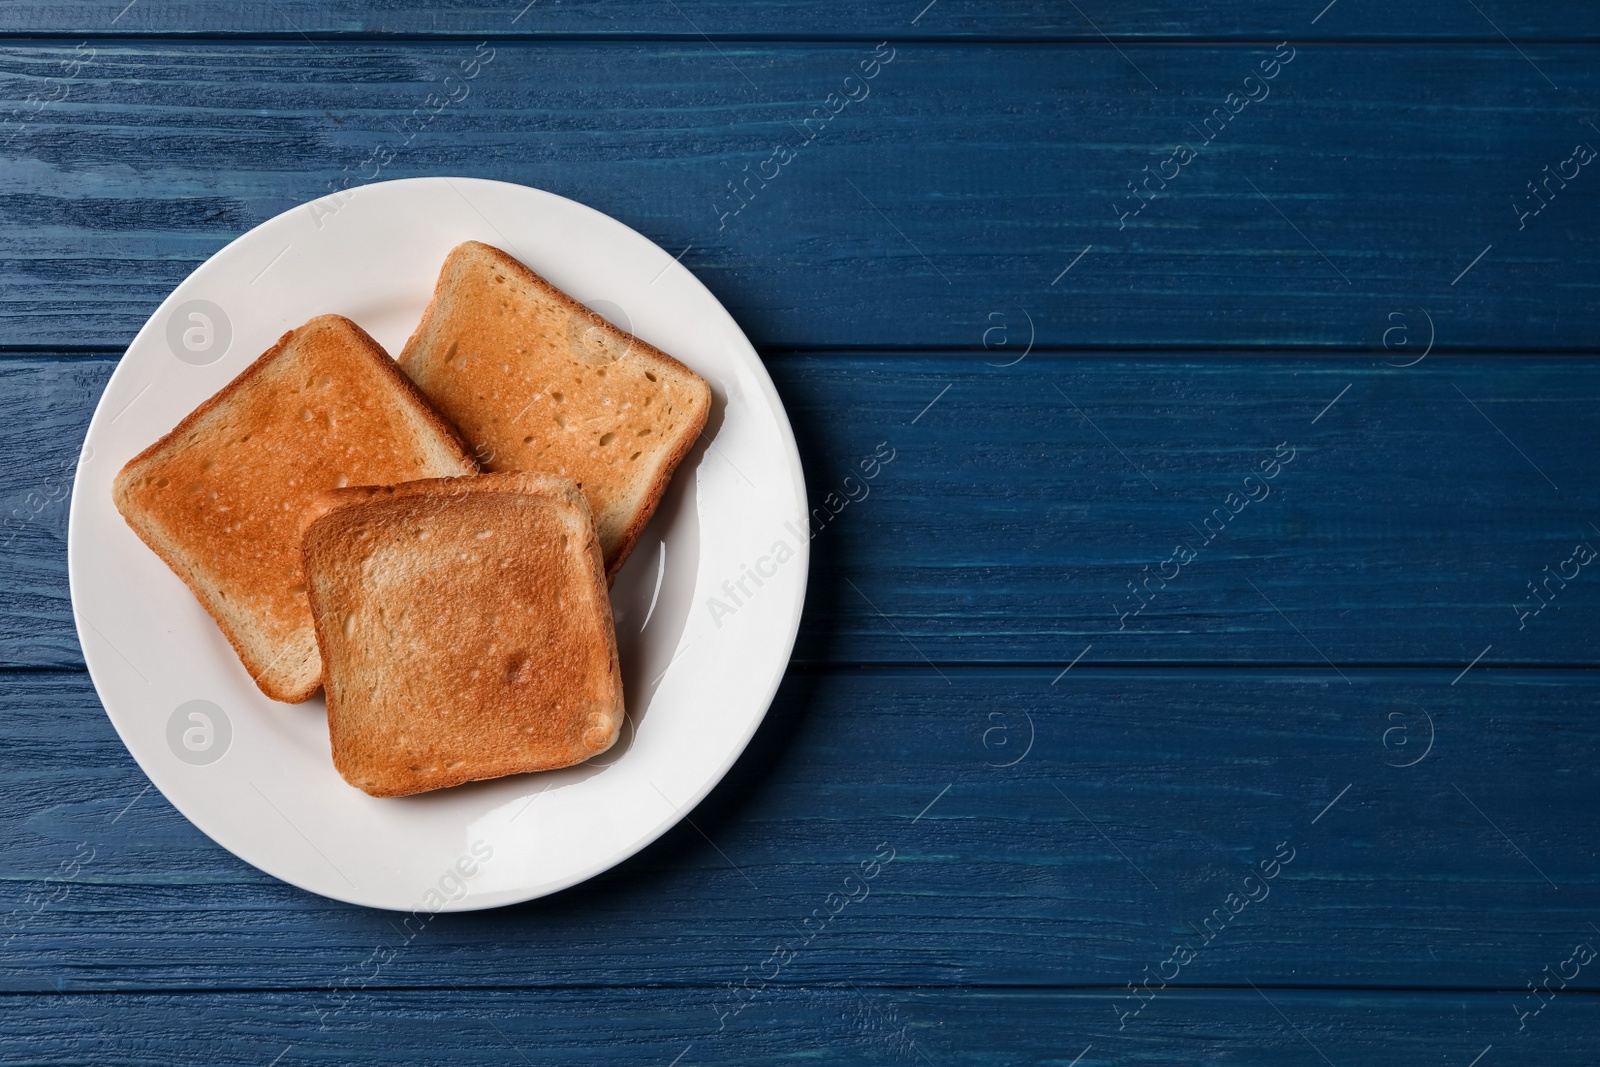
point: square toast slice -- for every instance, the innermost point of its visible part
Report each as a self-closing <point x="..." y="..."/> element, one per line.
<point x="220" y="497"/>
<point x="465" y="629"/>
<point x="533" y="380"/>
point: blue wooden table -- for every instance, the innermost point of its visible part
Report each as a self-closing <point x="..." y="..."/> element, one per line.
<point x="1210" y="678"/>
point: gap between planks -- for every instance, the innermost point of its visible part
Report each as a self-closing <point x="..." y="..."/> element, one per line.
<point x="918" y="37"/>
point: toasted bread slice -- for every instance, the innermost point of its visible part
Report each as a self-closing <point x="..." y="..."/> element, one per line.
<point x="219" y="498"/>
<point x="465" y="630"/>
<point x="535" y="381"/>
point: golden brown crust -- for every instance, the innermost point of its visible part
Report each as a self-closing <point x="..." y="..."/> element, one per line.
<point x="405" y="718"/>
<point x="185" y="558"/>
<point x="419" y="363"/>
<point x="121" y="486"/>
<point x="331" y="500"/>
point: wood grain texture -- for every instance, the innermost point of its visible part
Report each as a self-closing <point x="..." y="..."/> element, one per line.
<point x="1021" y="505"/>
<point x="1043" y="832"/>
<point x="1563" y="20"/>
<point x="971" y="178"/>
<point x="798" y="1025"/>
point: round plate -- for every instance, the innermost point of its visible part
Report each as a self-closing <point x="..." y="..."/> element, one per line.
<point x="707" y="606"/>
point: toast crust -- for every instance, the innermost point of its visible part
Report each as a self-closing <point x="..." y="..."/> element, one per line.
<point x="465" y="628"/>
<point x="184" y="533"/>
<point x="508" y="426"/>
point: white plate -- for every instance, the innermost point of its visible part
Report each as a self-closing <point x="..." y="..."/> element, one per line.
<point x="700" y="659"/>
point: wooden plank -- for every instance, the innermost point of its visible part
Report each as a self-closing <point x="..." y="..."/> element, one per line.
<point x="1370" y="180"/>
<point x="799" y="1025"/>
<point x="808" y="19"/>
<point x="1037" y="831"/>
<point x="1023" y="502"/>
